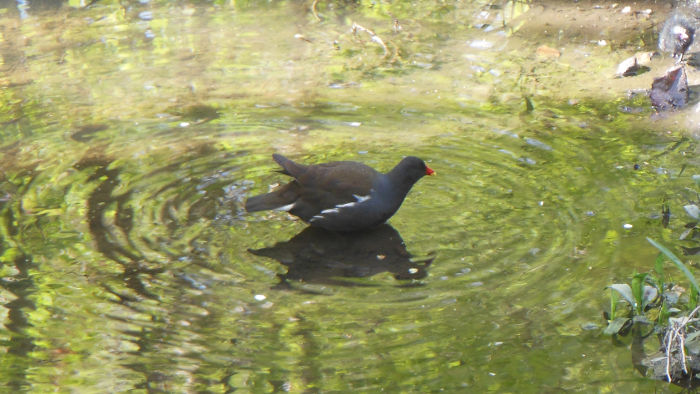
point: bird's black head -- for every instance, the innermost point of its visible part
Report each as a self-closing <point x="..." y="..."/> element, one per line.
<point x="411" y="169"/>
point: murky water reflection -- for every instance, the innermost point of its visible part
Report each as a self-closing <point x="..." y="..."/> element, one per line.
<point x="135" y="134"/>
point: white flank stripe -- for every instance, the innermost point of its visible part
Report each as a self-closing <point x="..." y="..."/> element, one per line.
<point x="337" y="208"/>
<point x="361" y="198"/>
<point x="286" y="207"/>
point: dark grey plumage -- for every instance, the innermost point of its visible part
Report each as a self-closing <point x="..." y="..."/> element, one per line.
<point x="341" y="195"/>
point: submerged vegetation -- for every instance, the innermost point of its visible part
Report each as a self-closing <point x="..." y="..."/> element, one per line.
<point x="656" y="307"/>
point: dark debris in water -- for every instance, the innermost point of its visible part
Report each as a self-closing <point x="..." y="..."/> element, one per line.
<point x="670" y="91"/>
<point x="678" y="358"/>
<point x="634" y="65"/>
<point x="86" y="133"/>
<point x="691" y="251"/>
<point x="197" y="113"/>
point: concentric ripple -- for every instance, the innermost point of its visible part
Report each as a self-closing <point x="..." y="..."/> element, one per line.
<point x="158" y="235"/>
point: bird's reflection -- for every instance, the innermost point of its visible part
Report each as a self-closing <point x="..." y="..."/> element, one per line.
<point x="320" y="256"/>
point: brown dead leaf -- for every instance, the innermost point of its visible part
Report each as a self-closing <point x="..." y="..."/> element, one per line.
<point x="545" y="51"/>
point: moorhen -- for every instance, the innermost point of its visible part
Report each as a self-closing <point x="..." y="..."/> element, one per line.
<point x="678" y="31"/>
<point x="341" y="195"/>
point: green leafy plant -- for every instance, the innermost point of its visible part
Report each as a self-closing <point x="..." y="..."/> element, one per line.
<point x="640" y="294"/>
<point x="675" y="260"/>
<point x="648" y="296"/>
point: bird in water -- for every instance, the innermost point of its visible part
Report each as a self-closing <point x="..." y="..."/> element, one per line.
<point x="678" y="32"/>
<point x="341" y="195"/>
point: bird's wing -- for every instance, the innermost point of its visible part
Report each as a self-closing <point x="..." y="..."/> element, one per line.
<point x="339" y="181"/>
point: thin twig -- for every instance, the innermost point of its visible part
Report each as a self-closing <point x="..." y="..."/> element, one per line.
<point x="374" y="37"/>
<point x="669" y="340"/>
<point x="678" y="331"/>
<point x="682" y="345"/>
<point x="313" y="10"/>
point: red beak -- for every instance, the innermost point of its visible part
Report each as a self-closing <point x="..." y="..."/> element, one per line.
<point x="429" y="171"/>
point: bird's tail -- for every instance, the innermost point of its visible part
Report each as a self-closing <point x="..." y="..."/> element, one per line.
<point x="288" y="166"/>
<point x="282" y="198"/>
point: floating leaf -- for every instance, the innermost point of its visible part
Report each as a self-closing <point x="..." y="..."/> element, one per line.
<point x="625" y="291"/>
<point x="686" y="233"/>
<point x="650" y="294"/>
<point x="692" y="210"/>
<point x="641" y="319"/>
<point x="616" y="325"/>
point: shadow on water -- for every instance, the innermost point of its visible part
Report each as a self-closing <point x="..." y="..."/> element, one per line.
<point x="320" y="256"/>
<point x="98" y="203"/>
<point x="19" y="345"/>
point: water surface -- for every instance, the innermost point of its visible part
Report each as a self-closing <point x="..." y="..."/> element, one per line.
<point x="132" y="134"/>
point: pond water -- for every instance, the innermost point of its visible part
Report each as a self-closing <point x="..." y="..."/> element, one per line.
<point x="133" y="132"/>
